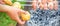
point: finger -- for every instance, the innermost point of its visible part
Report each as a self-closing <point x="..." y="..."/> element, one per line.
<point x="24" y="12"/>
<point x="21" y="11"/>
<point x="20" y="21"/>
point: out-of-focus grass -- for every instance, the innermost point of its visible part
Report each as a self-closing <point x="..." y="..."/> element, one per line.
<point x="5" y="20"/>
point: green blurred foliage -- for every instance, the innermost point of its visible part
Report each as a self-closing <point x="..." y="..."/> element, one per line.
<point x="5" y="19"/>
<point x="20" y="2"/>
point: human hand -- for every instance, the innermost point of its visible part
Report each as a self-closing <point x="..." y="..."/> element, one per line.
<point x="13" y="13"/>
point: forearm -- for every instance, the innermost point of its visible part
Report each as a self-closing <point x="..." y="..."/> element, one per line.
<point x="3" y="8"/>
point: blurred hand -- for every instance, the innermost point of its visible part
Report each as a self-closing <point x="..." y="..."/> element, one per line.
<point x="13" y="13"/>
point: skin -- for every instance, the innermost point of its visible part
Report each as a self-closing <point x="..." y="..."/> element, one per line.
<point x="12" y="12"/>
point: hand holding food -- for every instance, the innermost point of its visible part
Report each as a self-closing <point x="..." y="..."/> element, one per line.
<point x="13" y="11"/>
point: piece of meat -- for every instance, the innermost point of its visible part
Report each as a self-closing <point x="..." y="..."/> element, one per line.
<point x="41" y="6"/>
<point x="34" y="3"/>
<point x="55" y="5"/>
<point x="45" y="7"/>
<point x="50" y="5"/>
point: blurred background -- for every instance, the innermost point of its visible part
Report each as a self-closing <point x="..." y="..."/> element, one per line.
<point x="5" y="19"/>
